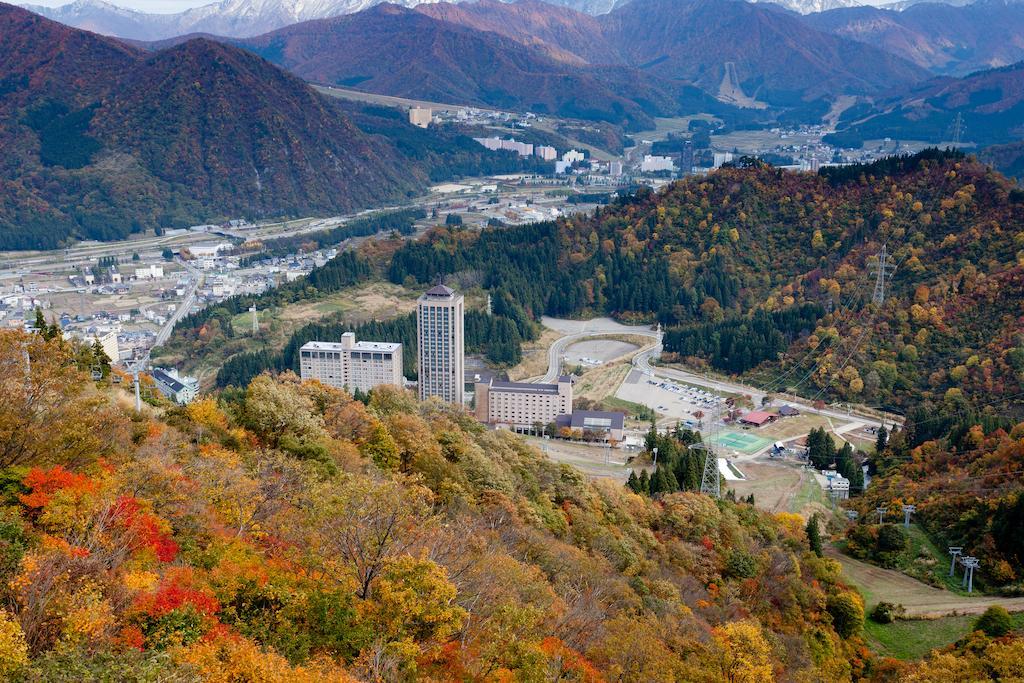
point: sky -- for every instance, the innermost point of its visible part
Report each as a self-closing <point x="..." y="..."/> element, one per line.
<point x="171" y="6"/>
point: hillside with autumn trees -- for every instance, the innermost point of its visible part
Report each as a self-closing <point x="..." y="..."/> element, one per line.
<point x="289" y="532"/>
<point x="767" y="274"/>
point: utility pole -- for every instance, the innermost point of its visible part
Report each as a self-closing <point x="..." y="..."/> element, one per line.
<point x="881" y="514"/>
<point x="955" y="552"/>
<point x="907" y="511"/>
<point x="883" y="270"/>
<point x="138" y="397"/>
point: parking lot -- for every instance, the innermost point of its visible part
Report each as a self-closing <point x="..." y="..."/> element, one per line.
<point x="674" y="400"/>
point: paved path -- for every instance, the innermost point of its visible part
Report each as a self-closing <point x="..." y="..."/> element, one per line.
<point x="584" y="329"/>
<point x="919" y="599"/>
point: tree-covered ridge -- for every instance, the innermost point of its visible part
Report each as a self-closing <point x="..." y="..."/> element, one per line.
<point x="290" y="532"/>
<point x="967" y="486"/>
<point x="712" y="252"/>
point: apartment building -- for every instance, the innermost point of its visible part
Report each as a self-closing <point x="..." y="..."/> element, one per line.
<point x="520" y="405"/>
<point x="439" y="327"/>
<point x="352" y="365"/>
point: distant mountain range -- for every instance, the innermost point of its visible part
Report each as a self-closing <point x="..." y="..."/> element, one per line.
<point x="101" y="139"/>
<point x="641" y="60"/>
<point x="987" y="107"/>
<point x="247" y="18"/>
<point x="939" y="37"/>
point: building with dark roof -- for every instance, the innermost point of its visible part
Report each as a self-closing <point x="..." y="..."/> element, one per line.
<point x="522" y="405"/>
<point x="605" y="425"/>
<point x="788" y="411"/>
<point x="178" y="388"/>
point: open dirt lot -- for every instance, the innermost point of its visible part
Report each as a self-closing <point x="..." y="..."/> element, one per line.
<point x="535" y="356"/>
<point x="594" y="461"/>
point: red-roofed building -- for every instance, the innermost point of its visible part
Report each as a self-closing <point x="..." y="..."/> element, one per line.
<point x="758" y="418"/>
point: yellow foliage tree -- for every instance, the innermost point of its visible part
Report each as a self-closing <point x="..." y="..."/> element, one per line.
<point x="746" y="656"/>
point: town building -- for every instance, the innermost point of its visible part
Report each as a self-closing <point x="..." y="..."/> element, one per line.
<point x="546" y="152"/>
<point x="522" y="406"/>
<point x="179" y="388"/>
<point x="439" y="328"/>
<point x="654" y="164"/>
<point x="758" y="418"/>
<point x="350" y="364"/>
<point x="573" y="156"/>
<point x="149" y="272"/>
<point x="598" y="425"/>
<point x="421" y="117"/>
<point x="615" y="168"/>
<point x="523" y="149"/>
<point x="721" y="158"/>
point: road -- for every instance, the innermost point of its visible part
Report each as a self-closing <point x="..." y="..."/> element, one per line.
<point x="592" y="328"/>
<point x="577" y="330"/>
<point x="198" y="277"/>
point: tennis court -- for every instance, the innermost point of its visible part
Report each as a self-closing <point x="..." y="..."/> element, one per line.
<point x="738" y="441"/>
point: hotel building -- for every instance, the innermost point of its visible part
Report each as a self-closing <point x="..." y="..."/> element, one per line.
<point x="352" y="365"/>
<point x="520" y="405"/>
<point x="439" y="327"/>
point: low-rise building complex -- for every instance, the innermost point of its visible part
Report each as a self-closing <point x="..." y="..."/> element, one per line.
<point x="522" y="405"/>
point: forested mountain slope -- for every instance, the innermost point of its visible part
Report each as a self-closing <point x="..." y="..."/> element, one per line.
<point x="101" y="140"/>
<point x="290" y="532"/>
<point x="739" y="264"/>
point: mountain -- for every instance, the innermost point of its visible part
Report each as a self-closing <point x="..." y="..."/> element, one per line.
<point x="561" y="33"/>
<point x="757" y="50"/>
<point x="811" y="6"/>
<point x="741" y="52"/>
<point x="230" y="18"/>
<point x="940" y="37"/>
<point x="396" y="51"/>
<point x="990" y="105"/>
<point x="101" y="140"/>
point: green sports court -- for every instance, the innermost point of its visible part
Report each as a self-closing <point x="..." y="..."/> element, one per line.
<point x="740" y="441"/>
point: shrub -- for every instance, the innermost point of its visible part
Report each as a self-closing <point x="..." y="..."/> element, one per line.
<point x="995" y="622"/>
<point x="887" y="612"/>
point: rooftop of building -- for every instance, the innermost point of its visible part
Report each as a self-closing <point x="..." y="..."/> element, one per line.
<point x="439" y="291"/>
<point x="358" y="346"/>
<point x="528" y="387"/>
<point x="585" y="419"/>
<point x="167" y="380"/>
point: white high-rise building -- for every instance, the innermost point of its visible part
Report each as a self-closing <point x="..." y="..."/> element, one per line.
<point x="352" y="365"/>
<point x="439" y="326"/>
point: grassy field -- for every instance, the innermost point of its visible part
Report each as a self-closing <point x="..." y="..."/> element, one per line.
<point x="601" y="382"/>
<point x="915" y="638"/>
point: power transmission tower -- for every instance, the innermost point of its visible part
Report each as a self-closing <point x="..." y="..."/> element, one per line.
<point x="883" y="271"/>
<point x="710" y="481"/>
<point x="958" y="128"/>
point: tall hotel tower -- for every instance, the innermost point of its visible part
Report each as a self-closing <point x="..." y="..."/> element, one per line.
<point x="439" y="325"/>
